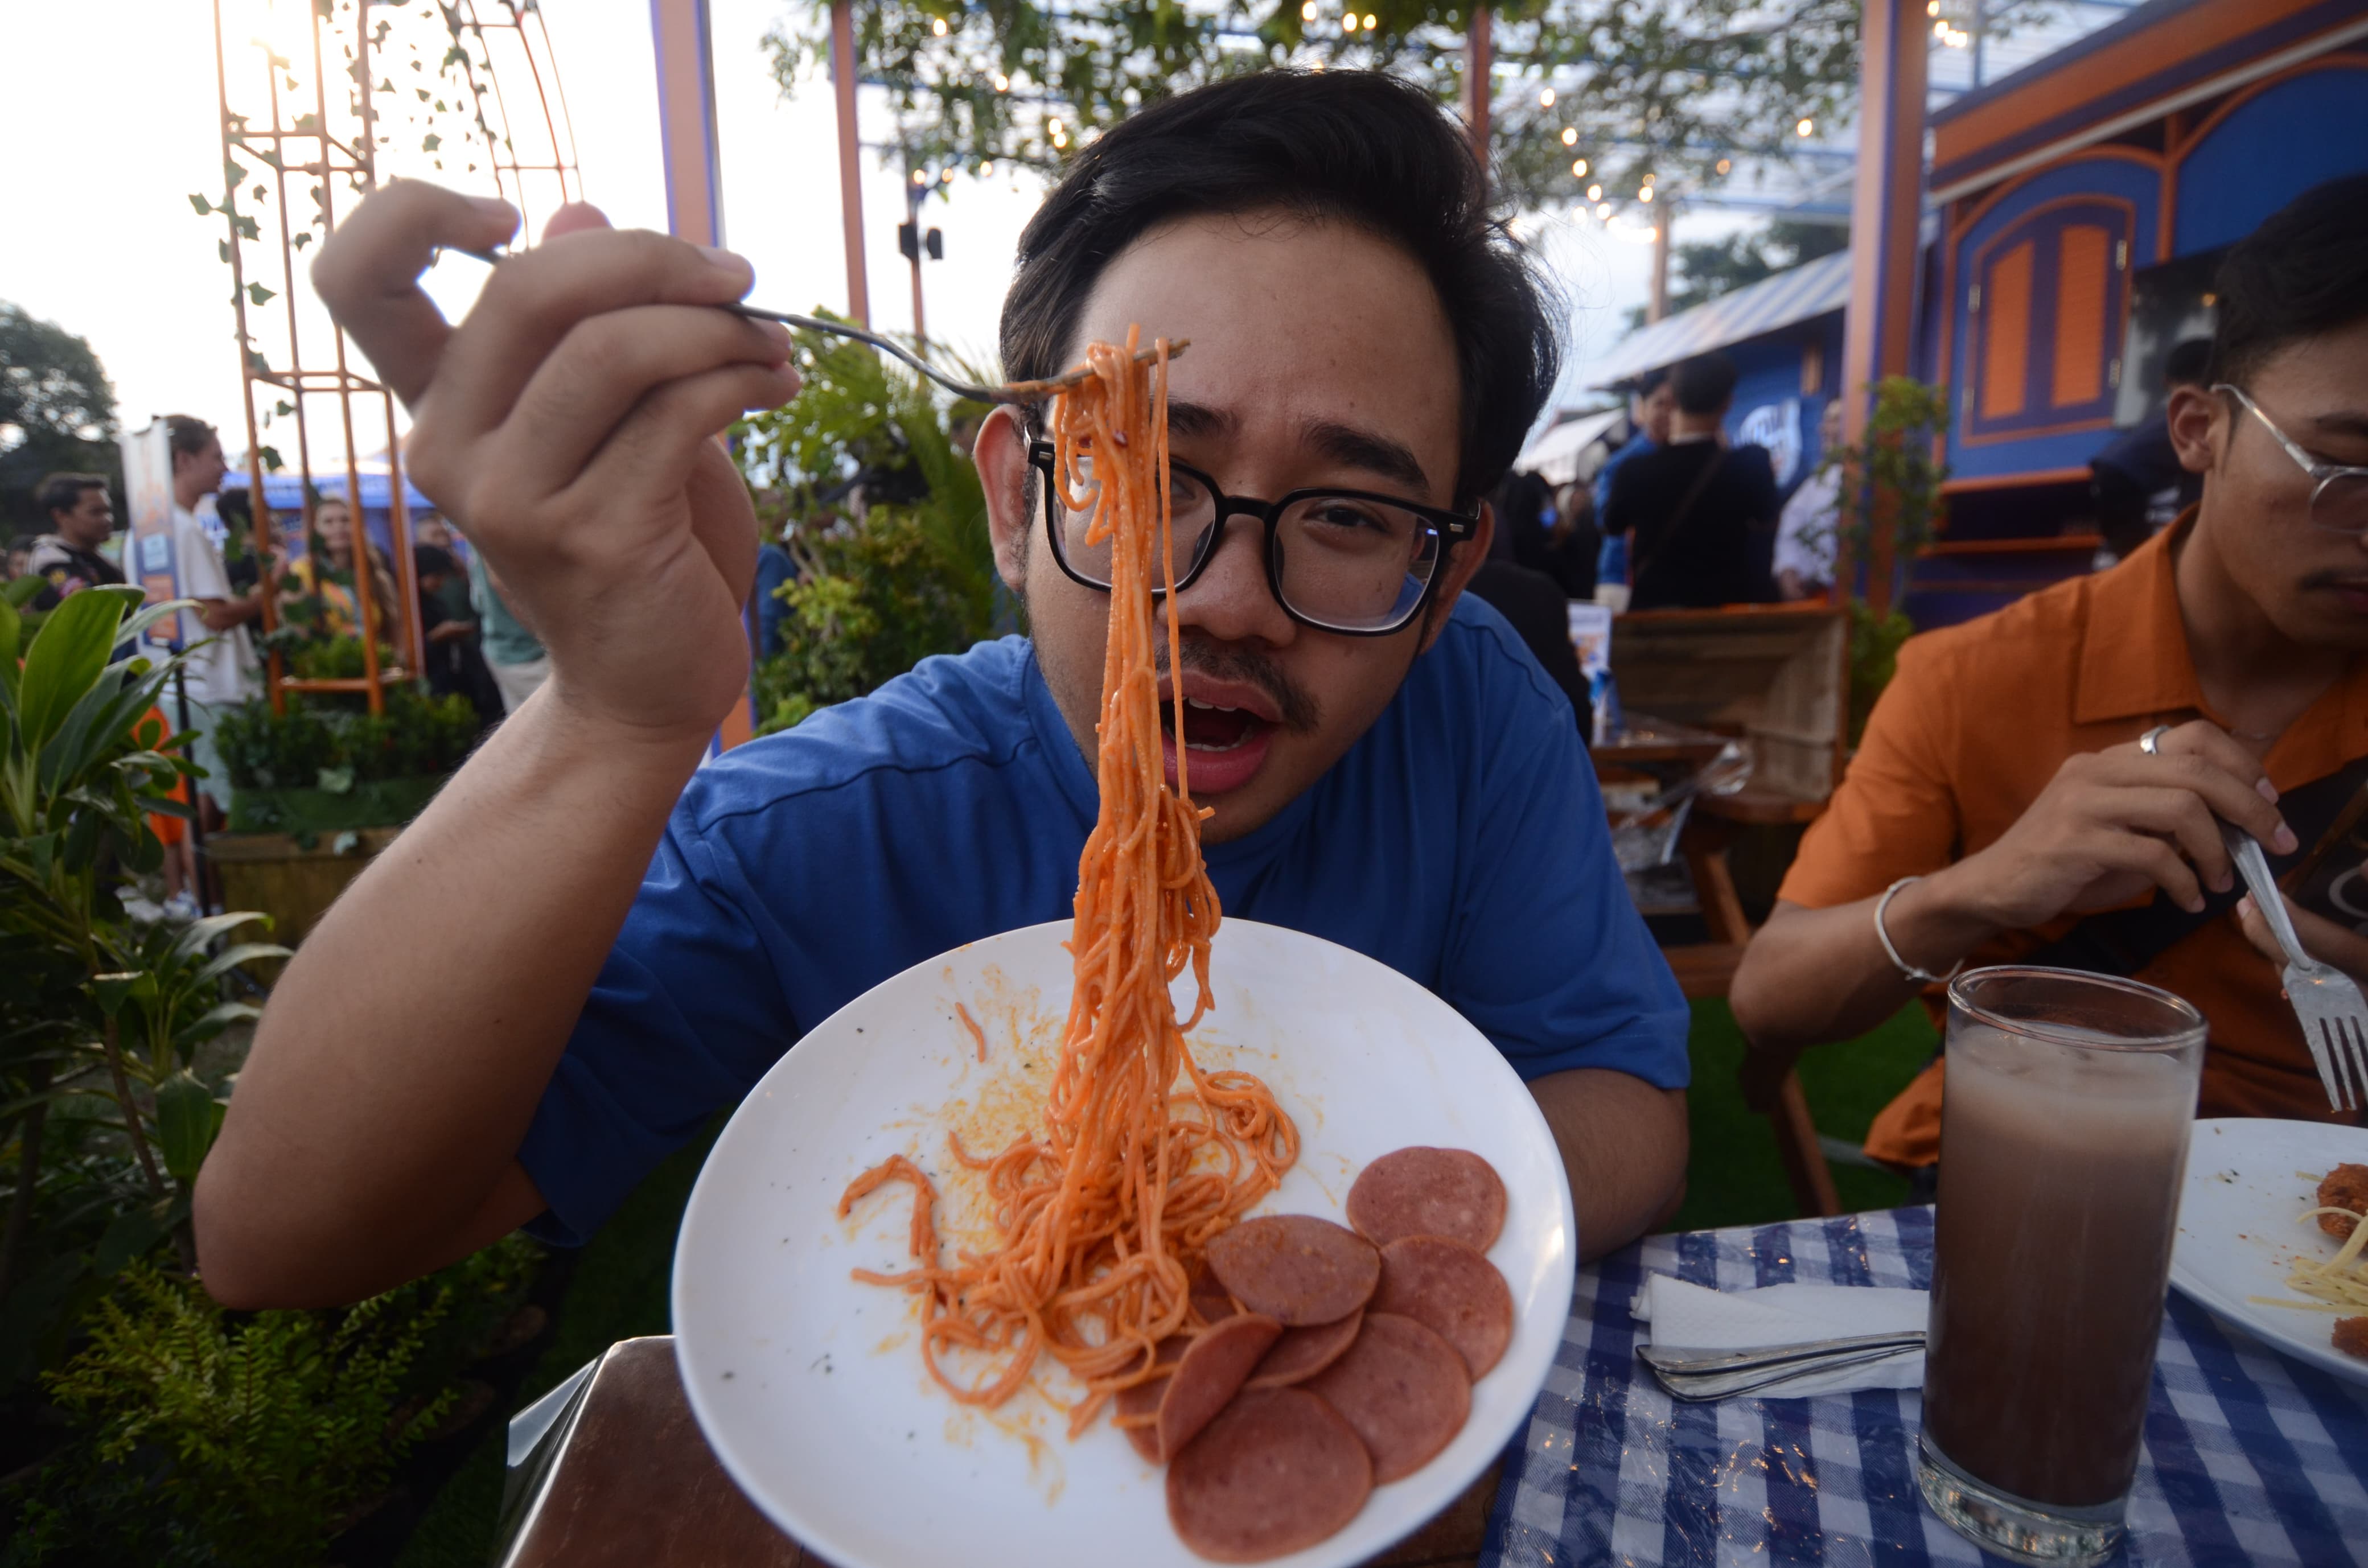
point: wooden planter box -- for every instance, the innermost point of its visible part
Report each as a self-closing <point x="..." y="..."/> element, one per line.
<point x="292" y="881"/>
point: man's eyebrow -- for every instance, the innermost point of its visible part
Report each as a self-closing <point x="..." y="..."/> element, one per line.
<point x="1198" y="419"/>
<point x="2346" y="423"/>
<point x="1366" y="450"/>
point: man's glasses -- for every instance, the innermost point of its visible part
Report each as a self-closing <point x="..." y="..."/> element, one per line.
<point x="2339" y="494"/>
<point x="1346" y="561"/>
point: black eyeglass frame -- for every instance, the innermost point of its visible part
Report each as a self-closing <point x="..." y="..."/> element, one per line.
<point x="1453" y="529"/>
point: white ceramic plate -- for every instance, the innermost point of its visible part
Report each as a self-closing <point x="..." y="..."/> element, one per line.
<point x="2237" y="1233"/>
<point x="809" y="1386"/>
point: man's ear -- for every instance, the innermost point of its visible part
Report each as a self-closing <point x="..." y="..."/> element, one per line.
<point x="2192" y="413"/>
<point x="1001" y="454"/>
<point x="1465" y="560"/>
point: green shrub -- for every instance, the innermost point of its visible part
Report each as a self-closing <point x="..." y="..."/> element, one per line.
<point x="212" y="1436"/>
<point x="310" y="747"/>
<point x="875" y="605"/>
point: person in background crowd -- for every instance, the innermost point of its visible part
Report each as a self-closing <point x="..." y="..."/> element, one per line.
<point x="776" y="568"/>
<point x="431" y="530"/>
<point x="1699" y="520"/>
<point x="20" y="557"/>
<point x="1524" y="505"/>
<point x="1652" y="402"/>
<point x="326" y="573"/>
<point x="2042" y="784"/>
<point x="1806" y="533"/>
<point x="1574" y="543"/>
<point x="451" y="661"/>
<point x="1533" y="605"/>
<point x="81" y="518"/>
<point x="513" y="654"/>
<point x="2136" y="483"/>
<point x="221" y="670"/>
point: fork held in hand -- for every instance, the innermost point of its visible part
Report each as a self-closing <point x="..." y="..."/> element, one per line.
<point x="1010" y="391"/>
<point x="2333" y="1013"/>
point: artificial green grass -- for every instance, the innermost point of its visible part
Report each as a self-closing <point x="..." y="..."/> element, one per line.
<point x="1734" y="1176"/>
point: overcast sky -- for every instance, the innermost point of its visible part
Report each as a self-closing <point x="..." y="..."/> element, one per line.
<point x="112" y="107"/>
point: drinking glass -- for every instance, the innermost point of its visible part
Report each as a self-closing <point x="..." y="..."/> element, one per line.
<point x="2064" y="1132"/>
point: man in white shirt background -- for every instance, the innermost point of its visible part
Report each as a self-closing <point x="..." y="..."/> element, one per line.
<point x="1805" y="538"/>
<point x="224" y="671"/>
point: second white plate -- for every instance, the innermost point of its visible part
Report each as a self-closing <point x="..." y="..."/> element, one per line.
<point x="2246" y="1179"/>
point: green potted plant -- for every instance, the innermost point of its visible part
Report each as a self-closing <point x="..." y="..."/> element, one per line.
<point x="1891" y="478"/>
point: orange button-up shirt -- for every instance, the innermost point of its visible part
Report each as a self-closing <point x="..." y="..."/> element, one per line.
<point x="1973" y="727"/>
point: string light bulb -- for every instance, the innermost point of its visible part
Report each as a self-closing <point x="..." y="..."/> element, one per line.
<point x="919" y="177"/>
<point x="1307" y="12"/>
<point x="1724" y="164"/>
<point x="986" y="169"/>
<point x="1645" y="193"/>
<point x="1603" y="209"/>
<point x="1595" y="193"/>
<point x="1545" y="100"/>
<point x="947" y="177"/>
<point x="1578" y="169"/>
<point x="937" y="26"/>
<point x="1570" y="135"/>
<point x="1348" y="22"/>
<point x="1931" y="7"/>
<point x="1802" y="127"/>
<point x="1054" y="126"/>
<point x="1002" y="83"/>
<point x="1372" y="21"/>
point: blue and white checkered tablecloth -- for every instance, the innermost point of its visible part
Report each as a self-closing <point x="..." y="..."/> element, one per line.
<point x="2250" y="1459"/>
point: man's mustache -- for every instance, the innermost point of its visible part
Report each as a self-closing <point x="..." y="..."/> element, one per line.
<point x="1301" y="713"/>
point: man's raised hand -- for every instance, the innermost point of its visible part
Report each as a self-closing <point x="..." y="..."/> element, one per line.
<point x="2113" y="823"/>
<point x="566" y="425"/>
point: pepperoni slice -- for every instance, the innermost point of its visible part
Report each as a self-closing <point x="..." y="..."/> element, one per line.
<point x="1278" y="1470"/>
<point x="1446" y="1286"/>
<point x="1209" y="1374"/>
<point x="1143" y="1398"/>
<point x="1295" y="1269"/>
<point x="1428" y="1192"/>
<point x="1302" y="1353"/>
<point x="1401" y="1389"/>
<point x="1209" y="1298"/>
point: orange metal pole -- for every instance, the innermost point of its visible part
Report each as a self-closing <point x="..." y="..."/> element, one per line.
<point x="850" y="180"/>
<point x="1885" y="211"/>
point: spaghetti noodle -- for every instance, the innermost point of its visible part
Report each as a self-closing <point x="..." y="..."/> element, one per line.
<point x="2341" y="1283"/>
<point x="1144" y="1157"/>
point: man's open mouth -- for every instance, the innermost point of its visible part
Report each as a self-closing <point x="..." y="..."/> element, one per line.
<point x="1209" y="728"/>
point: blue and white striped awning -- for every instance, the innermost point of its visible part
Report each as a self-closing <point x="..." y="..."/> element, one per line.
<point x="1813" y="289"/>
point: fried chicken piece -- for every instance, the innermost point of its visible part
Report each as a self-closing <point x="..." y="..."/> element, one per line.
<point x="2346" y="1187"/>
<point x="2352" y="1333"/>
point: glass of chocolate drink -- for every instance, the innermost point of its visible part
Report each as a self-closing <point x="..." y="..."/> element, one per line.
<point x="2063" y="1143"/>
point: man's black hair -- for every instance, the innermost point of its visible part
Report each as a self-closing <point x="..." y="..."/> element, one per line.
<point x="2186" y="363"/>
<point x="433" y="561"/>
<point x="1650" y="381"/>
<point x="2302" y="274"/>
<point x="64" y="491"/>
<point x="1705" y="383"/>
<point x="187" y="436"/>
<point x="1353" y="146"/>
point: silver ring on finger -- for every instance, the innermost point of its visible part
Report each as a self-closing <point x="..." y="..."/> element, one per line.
<point x="2151" y="742"/>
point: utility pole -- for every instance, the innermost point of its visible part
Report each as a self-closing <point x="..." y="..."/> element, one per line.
<point x="915" y="244"/>
<point x="1479" y="54"/>
<point x="1658" y="305"/>
<point x="850" y="182"/>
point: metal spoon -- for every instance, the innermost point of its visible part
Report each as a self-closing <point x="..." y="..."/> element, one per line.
<point x="1678" y="1361"/>
<point x="1010" y="392"/>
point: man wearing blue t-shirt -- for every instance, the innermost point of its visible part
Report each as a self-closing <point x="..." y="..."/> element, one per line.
<point x="633" y="939"/>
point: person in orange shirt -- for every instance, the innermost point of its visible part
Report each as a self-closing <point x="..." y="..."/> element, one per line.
<point x="2040" y="785"/>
